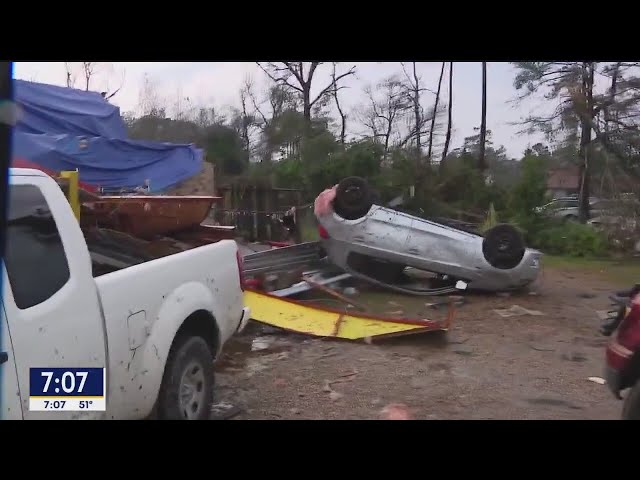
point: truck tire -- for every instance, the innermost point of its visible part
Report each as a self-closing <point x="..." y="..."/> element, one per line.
<point x="631" y="408"/>
<point x="354" y="198"/>
<point x="503" y="247"/>
<point x="187" y="386"/>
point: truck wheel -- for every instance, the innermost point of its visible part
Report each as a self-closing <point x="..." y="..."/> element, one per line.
<point x="187" y="387"/>
<point x="503" y="247"/>
<point x="631" y="408"/>
<point x="354" y="198"/>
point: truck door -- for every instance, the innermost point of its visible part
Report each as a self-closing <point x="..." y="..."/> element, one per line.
<point x="10" y="406"/>
<point x="50" y="297"/>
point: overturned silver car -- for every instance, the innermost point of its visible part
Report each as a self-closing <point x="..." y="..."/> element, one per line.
<point x="377" y="244"/>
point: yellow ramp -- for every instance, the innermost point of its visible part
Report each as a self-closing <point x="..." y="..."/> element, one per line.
<point x="324" y="322"/>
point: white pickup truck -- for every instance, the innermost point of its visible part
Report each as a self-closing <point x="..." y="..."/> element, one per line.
<point x="156" y="327"/>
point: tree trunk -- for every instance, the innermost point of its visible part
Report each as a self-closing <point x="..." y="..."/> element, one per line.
<point x="306" y="108"/>
<point x="585" y="140"/>
<point x="435" y="113"/>
<point x="343" y="116"/>
<point x="418" y="118"/>
<point x="611" y="100"/>
<point x="482" y="166"/>
<point x="447" y="139"/>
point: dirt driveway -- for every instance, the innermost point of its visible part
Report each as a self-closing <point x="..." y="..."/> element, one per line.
<point x="485" y="367"/>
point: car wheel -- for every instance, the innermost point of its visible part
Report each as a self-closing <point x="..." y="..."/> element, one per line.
<point x="503" y="247"/>
<point x="187" y="386"/>
<point x="631" y="408"/>
<point x="354" y="198"/>
<point x="570" y="218"/>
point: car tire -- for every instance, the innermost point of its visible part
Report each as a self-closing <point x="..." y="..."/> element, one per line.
<point x="354" y="198"/>
<point x="190" y="372"/>
<point x="503" y="247"/>
<point x="631" y="408"/>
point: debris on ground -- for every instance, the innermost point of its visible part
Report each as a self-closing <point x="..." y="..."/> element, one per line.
<point x="349" y="375"/>
<point x="299" y="316"/>
<point x="598" y="380"/>
<point x="574" y="357"/>
<point x="465" y="351"/>
<point x="395" y="411"/>
<point x="260" y="343"/>
<point x="505" y="373"/>
<point x="254" y="366"/>
<point x="333" y="293"/>
<point x="455" y="300"/>
<point x="224" y="411"/>
<point x="587" y="295"/>
<point x="335" y="396"/>
<point x="516" y="310"/>
<point x="541" y="349"/>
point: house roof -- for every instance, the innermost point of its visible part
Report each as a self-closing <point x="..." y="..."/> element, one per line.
<point x="567" y="177"/>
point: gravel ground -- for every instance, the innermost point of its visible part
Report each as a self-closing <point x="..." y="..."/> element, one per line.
<point x="485" y="367"/>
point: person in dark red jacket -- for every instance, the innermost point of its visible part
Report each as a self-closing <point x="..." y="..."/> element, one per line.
<point x="629" y="297"/>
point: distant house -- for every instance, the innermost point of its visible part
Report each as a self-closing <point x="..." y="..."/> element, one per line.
<point x="563" y="182"/>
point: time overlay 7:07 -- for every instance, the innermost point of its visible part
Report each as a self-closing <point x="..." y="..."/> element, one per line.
<point x="67" y="389"/>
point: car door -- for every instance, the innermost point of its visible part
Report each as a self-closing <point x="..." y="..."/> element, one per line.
<point x="10" y="405"/>
<point x="51" y="299"/>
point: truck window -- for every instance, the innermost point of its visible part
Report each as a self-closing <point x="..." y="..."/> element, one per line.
<point x="35" y="260"/>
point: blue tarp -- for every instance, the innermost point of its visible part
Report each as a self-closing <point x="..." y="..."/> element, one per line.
<point x="52" y="109"/>
<point x="111" y="163"/>
<point x="64" y="129"/>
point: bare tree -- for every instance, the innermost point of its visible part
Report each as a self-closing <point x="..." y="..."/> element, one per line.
<point x="88" y="68"/>
<point x="89" y="71"/>
<point x="298" y="77"/>
<point x="447" y="139"/>
<point x="268" y="113"/>
<point x="277" y="101"/>
<point x="435" y="113"/>
<point x="71" y="78"/>
<point x="483" y="122"/>
<point x="413" y="91"/>
<point x="149" y="102"/>
<point x="244" y="119"/>
<point x="387" y="103"/>
<point x="343" y="115"/>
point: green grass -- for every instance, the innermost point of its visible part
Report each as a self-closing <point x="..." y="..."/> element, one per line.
<point x="619" y="271"/>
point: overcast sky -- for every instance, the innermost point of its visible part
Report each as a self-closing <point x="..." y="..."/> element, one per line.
<point x="217" y="84"/>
